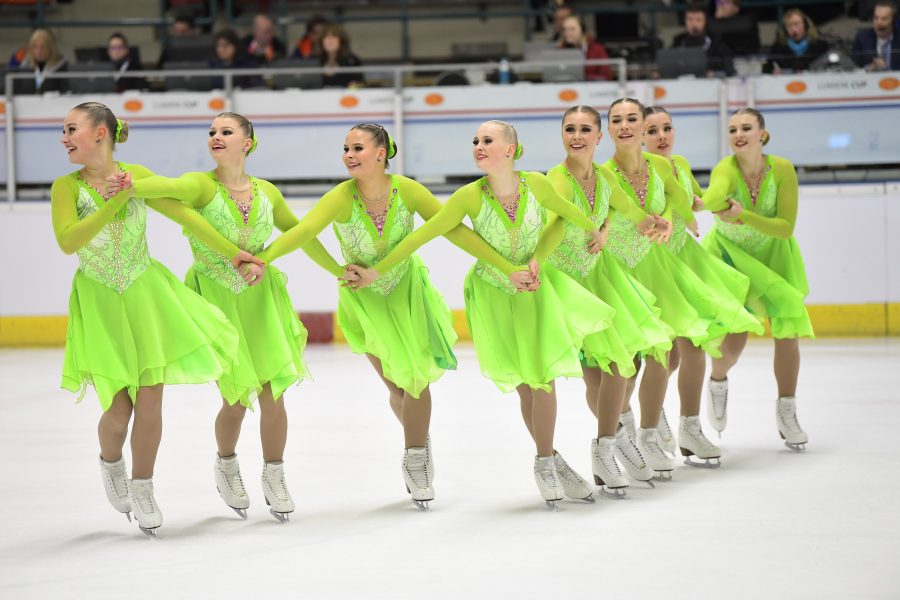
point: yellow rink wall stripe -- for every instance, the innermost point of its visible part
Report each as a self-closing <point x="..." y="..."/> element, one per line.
<point x="829" y="320"/>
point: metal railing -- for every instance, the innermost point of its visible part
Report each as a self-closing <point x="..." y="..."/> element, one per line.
<point x="228" y="76"/>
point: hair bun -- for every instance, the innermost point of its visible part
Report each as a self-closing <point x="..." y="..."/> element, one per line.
<point x="121" y="131"/>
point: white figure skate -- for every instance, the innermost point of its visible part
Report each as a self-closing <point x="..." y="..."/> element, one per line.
<point x="230" y="485"/>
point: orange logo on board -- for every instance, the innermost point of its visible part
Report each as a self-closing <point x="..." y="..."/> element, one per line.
<point x="659" y="92"/>
<point x="889" y="84"/>
<point x="2" y="107"/>
<point x="795" y="87"/>
<point x="217" y="104"/>
<point x="434" y="99"/>
<point x="568" y="95"/>
<point x="133" y="105"/>
<point x="349" y="101"/>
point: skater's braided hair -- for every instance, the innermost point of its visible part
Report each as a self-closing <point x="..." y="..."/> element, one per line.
<point x="509" y="132"/>
<point x="99" y="114"/>
<point x="382" y="139"/>
<point x="245" y="125"/>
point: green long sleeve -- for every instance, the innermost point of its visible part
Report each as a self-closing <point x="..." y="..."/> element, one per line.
<point x="285" y="219"/>
<point x="676" y="197"/>
<point x="551" y="236"/>
<point x="782" y="224"/>
<point x="619" y="200"/>
<point x="71" y="233"/>
<point x="422" y="201"/>
<point x="335" y="205"/>
<point x="684" y="164"/>
<point x="548" y="197"/>
<point x="196" y="190"/>
<point x="463" y="201"/>
<point x="194" y="222"/>
<point x="724" y="181"/>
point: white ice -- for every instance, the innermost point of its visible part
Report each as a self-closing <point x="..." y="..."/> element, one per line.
<point x="770" y="523"/>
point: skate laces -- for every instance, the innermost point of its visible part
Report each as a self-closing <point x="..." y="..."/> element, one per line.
<point x="652" y="445"/>
<point x="144" y="497"/>
<point x="117" y="480"/>
<point x="416" y="468"/>
<point x="696" y="432"/>
<point x="233" y="477"/>
<point x="607" y="458"/>
<point x="631" y="452"/>
<point x="548" y="474"/>
<point x="275" y="479"/>
<point x="788" y="413"/>
<point x="719" y="395"/>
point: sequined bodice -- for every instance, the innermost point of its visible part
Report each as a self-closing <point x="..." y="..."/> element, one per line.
<point x="117" y="255"/>
<point x="363" y="244"/>
<point x="748" y="238"/>
<point x="572" y="256"/>
<point x="226" y="217"/>
<point x="625" y="242"/>
<point x="514" y="240"/>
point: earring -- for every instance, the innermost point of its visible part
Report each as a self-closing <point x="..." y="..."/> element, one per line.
<point x="378" y="159"/>
<point x="98" y="140"/>
<point x="508" y="155"/>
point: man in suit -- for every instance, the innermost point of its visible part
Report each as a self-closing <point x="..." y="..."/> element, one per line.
<point x="878" y="48"/>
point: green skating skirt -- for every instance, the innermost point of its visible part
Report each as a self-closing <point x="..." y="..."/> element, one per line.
<point x="157" y="331"/>
<point x="727" y="287"/>
<point x="272" y="338"/>
<point x="410" y="330"/>
<point x="636" y="326"/>
<point x="532" y="338"/>
<point x="686" y="304"/>
<point x="778" y="283"/>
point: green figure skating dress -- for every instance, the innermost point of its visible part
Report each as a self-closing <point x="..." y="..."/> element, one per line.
<point x="272" y="338"/>
<point x="131" y="322"/>
<point x="687" y="305"/>
<point x="520" y="338"/>
<point x="728" y="285"/>
<point x="636" y="328"/>
<point x="401" y="319"/>
<point x="762" y="246"/>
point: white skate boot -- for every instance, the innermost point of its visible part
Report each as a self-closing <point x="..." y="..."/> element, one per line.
<point x="607" y="473"/>
<point x="275" y="490"/>
<point x="574" y="486"/>
<point x="230" y="485"/>
<point x="717" y="408"/>
<point x="649" y="445"/>
<point x="786" y="419"/>
<point x="631" y="457"/>
<point x="547" y="480"/>
<point x="146" y="511"/>
<point x="418" y="476"/>
<point x="693" y="443"/>
<point x="115" y="482"/>
<point x="627" y="421"/>
<point x="666" y="437"/>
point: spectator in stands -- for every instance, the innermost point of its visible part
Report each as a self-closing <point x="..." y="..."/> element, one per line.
<point x="797" y="44"/>
<point x="119" y="54"/>
<point x="574" y="36"/>
<point x="561" y="12"/>
<point x="718" y="55"/>
<point x="878" y="48"/>
<point x="229" y="55"/>
<point x="306" y="46"/>
<point x="183" y="26"/>
<point x="263" y="45"/>
<point x="333" y="48"/>
<point x="739" y="31"/>
<point x="43" y="57"/>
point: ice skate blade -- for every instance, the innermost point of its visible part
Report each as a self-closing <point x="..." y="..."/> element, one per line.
<point x="613" y="493"/>
<point x="708" y="463"/>
<point x="422" y="505"/>
<point x="553" y="505"/>
<point x="280" y="517"/>
<point x="663" y="476"/>
<point x="128" y="516"/>
<point x="589" y="499"/>
<point x="796" y="447"/>
<point x="241" y="512"/>
<point x="150" y="533"/>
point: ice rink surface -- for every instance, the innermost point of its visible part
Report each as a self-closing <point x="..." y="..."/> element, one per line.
<point x="770" y="523"/>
